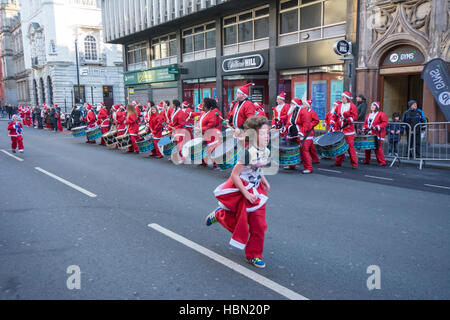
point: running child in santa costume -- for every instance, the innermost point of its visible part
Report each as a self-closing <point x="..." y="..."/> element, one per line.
<point x="343" y="120"/>
<point x="376" y="123"/>
<point x="155" y="125"/>
<point x="90" y="121"/>
<point x="133" y="127"/>
<point x="242" y="198"/>
<point x="103" y="121"/>
<point x="15" y="133"/>
<point x="280" y="112"/>
<point x="314" y="123"/>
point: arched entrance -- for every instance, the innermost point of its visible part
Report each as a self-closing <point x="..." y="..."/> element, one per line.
<point x="50" y="90"/>
<point x="41" y="83"/>
<point x="400" y="78"/>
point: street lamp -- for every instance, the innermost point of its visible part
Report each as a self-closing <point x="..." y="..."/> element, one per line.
<point x="78" y="70"/>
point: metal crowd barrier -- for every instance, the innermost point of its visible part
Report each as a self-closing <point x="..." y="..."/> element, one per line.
<point x="431" y="142"/>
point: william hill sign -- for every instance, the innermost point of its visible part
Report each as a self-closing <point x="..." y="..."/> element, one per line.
<point x="250" y="62"/>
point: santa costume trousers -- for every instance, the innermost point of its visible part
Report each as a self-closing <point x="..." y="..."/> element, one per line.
<point x="17" y="141"/>
<point x="378" y="153"/>
<point x="134" y="147"/>
<point x="351" y="151"/>
<point x="104" y="130"/>
<point x="306" y="155"/>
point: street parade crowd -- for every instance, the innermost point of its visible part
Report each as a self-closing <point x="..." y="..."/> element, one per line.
<point x="183" y="133"/>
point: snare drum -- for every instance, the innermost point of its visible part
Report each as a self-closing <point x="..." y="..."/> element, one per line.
<point x="365" y="142"/>
<point x="123" y="141"/>
<point x="331" y="144"/>
<point x="227" y="154"/>
<point x="94" y="133"/>
<point x="143" y="133"/>
<point x="110" y="138"/>
<point x="79" y="131"/>
<point x="145" y="145"/>
<point x="195" y="150"/>
<point x="288" y="152"/>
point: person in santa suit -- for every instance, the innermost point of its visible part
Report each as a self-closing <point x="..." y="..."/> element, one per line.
<point x="27" y="116"/>
<point x="315" y="122"/>
<point x="132" y="123"/>
<point x="299" y="127"/>
<point x="343" y="120"/>
<point x="91" y="120"/>
<point x="330" y="115"/>
<point x="376" y="123"/>
<point x="121" y="116"/>
<point x="168" y="111"/>
<point x="178" y="127"/>
<point x="209" y="126"/>
<point x="58" y="126"/>
<point x="103" y="121"/>
<point x="189" y="116"/>
<point x="279" y="117"/>
<point x="243" y="197"/>
<point x="15" y="133"/>
<point x="242" y="109"/>
<point x="21" y="111"/>
<point x="155" y="126"/>
<point x="259" y="110"/>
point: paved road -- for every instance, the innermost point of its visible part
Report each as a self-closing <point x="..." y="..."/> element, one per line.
<point x="325" y="229"/>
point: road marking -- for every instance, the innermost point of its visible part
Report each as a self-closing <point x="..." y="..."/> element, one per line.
<point x="70" y="184"/>
<point x="434" y="186"/>
<point x="327" y="170"/>
<point x="381" y="178"/>
<point x="11" y="155"/>
<point x="230" y="264"/>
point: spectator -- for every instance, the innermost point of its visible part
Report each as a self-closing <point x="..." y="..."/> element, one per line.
<point x="395" y="129"/>
<point x="76" y="116"/>
<point x="361" y="105"/>
<point x="10" y="111"/>
<point x="414" y="116"/>
<point x="33" y="117"/>
<point x="37" y="114"/>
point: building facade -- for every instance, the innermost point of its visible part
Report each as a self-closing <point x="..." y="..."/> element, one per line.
<point x="54" y="31"/>
<point x="21" y="75"/>
<point x="397" y="39"/>
<point x="190" y="50"/>
<point x="9" y="19"/>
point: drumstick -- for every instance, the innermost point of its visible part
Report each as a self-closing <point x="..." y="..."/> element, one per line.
<point x="226" y="121"/>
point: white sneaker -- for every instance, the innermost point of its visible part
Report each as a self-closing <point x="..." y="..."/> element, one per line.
<point x="306" y="172"/>
<point x="21" y="151"/>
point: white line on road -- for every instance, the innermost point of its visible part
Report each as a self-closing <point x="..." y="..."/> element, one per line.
<point x="230" y="264"/>
<point x="70" y="184"/>
<point x="434" y="186"/>
<point x="381" y="178"/>
<point x="327" y="170"/>
<point x="12" y="156"/>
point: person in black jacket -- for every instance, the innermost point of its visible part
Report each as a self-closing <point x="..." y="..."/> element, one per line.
<point x="414" y="116"/>
<point x="395" y="129"/>
<point x="361" y="105"/>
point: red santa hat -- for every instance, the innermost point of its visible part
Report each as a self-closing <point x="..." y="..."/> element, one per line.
<point x="259" y="105"/>
<point x="116" y="107"/>
<point x="160" y="105"/>
<point x="185" y="104"/>
<point x="297" y="102"/>
<point x="245" y="90"/>
<point x="348" y="95"/>
<point x="56" y="105"/>
<point x="135" y="102"/>
<point x="88" y="107"/>
<point x="282" y="96"/>
<point x="200" y="107"/>
<point x="308" y="103"/>
<point x="376" y="104"/>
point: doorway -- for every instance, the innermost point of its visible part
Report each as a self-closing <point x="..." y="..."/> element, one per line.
<point x="398" y="90"/>
<point x="108" y="96"/>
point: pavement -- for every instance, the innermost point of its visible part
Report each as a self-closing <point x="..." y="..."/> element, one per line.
<point x="134" y="226"/>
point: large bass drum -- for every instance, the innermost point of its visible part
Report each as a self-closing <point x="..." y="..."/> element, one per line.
<point x="331" y="144"/>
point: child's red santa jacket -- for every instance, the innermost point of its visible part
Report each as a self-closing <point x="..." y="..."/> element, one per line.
<point x="13" y="128"/>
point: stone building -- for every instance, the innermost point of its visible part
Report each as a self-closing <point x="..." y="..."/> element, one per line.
<point x="51" y="32"/>
<point x="396" y="39"/>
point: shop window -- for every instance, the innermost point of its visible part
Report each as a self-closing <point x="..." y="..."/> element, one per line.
<point x="246" y="31"/>
<point x="79" y="96"/>
<point x="309" y="20"/>
<point x="199" y="42"/>
<point x="195" y="90"/>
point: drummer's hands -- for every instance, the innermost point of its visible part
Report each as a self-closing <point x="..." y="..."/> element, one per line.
<point x="250" y="197"/>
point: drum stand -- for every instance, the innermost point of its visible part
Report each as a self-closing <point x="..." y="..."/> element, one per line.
<point x="396" y="158"/>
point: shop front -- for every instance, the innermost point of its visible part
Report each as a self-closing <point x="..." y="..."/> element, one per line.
<point x="155" y="84"/>
<point x="238" y="70"/>
<point x="306" y="72"/>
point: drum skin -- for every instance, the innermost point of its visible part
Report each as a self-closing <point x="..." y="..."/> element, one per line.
<point x="123" y="141"/>
<point x="331" y="144"/>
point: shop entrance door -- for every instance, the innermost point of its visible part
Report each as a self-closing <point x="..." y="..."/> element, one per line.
<point x="398" y="90"/>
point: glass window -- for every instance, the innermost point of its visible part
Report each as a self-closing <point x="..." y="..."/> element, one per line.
<point x="187" y="32"/>
<point x="210" y="39"/>
<point x="289" y="21"/>
<point x="262" y="12"/>
<point x="90" y="48"/>
<point x="230" y="35"/>
<point x="172" y="48"/>
<point x="199" y="42"/>
<point x="311" y="16"/>
<point x="289" y="4"/>
<point x="211" y="26"/>
<point x="199" y="29"/>
<point x="187" y="45"/>
<point x="164" y="49"/>
<point x="156" y="52"/>
<point x="246" y="31"/>
<point x="335" y="11"/>
<point x="261" y="28"/>
<point x="229" y="21"/>
<point x="246" y="16"/>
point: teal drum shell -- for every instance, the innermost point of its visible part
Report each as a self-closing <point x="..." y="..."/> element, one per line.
<point x="79" y="131"/>
<point x="145" y="145"/>
<point x="94" y="134"/>
<point x="168" y="149"/>
<point x="331" y="144"/>
<point x="288" y="152"/>
<point x="227" y="154"/>
<point x="365" y="142"/>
